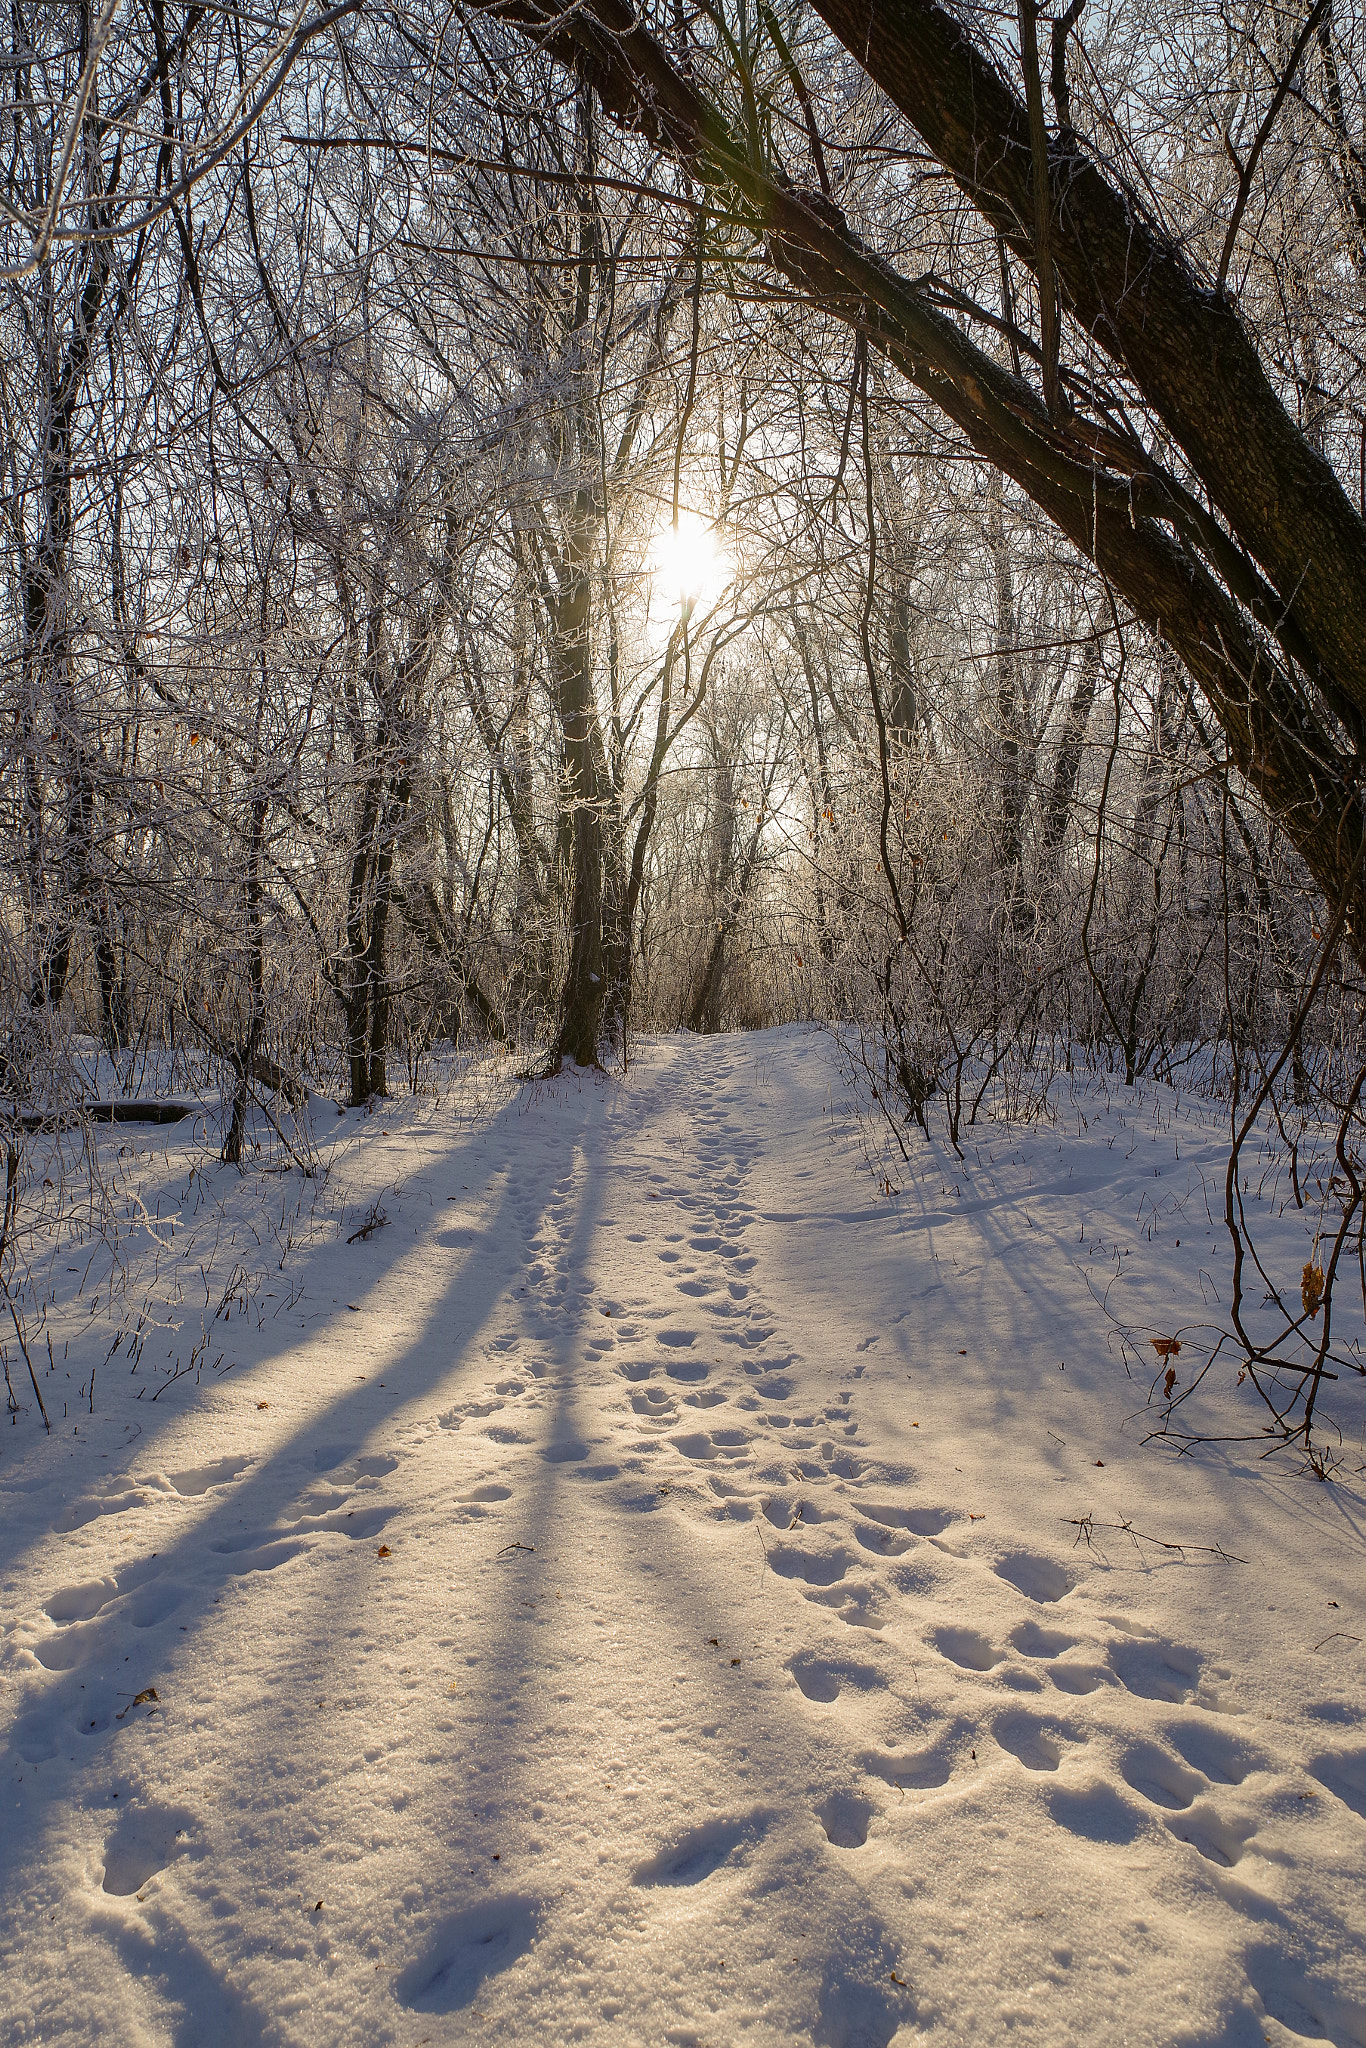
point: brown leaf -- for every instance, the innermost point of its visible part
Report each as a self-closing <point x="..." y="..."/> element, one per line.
<point x="1311" y="1288"/>
<point x="1169" y="1382"/>
<point x="1167" y="1347"/>
<point x="384" y="1551"/>
<point x="142" y="1698"/>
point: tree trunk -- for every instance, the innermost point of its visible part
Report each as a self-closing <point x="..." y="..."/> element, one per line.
<point x="1188" y="354"/>
<point x="1067" y="767"/>
<point x="585" y="799"/>
<point x="245" y="1056"/>
<point x="1136" y="293"/>
<point x="1007" y="718"/>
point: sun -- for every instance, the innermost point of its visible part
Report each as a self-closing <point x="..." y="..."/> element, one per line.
<point x="688" y="566"/>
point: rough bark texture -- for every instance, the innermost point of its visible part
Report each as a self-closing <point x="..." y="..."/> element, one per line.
<point x="1128" y="286"/>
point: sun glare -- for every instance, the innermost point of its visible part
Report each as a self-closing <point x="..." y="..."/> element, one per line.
<point x="687" y="564"/>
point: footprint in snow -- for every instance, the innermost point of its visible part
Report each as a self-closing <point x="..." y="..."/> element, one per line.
<point x="74" y="1646"/>
<point x="966" y="1647"/>
<point x="1156" y="1670"/>
<point x="80" y="1603"/>
<point x="1037" y="1744"/>
<point x="703" y="1445"/>
<point x="816" y="1568"/>
<point x="1032" y="1641"/>
<point x="856" y="1605"/>
<point x="1096" y="1813"/>
<point x="263" y="1557"/>
<point x="155" y="1604"/>
<point x="822" y="1679"/>
<point x="930" y="1521"/>
<point x="1038" y="1578"/>
<point x="787" y="1511"/>
<point x="479" y="1498"/>
<point x="910" y="1770"/>
<point x="81" y="1512"/>
<point x="1157" y="1776"/>
<point x="375" y="1466"/>
<point x="883" y="1542"/>
<point x="1080" y="1678"/>
<point x="145" y="1839"/>
<point x="689" y="1370"/>
<point x="695" y="1856"/>
<point x="1225" y="1758"/>
<point x="1215" y="1836"/>
<point x="845" y="1818"/>
<point x="1343" y="1771"/>
<point x="466" y="1950"/>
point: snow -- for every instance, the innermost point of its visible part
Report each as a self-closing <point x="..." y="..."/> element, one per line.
<point x="639" y="1593"/>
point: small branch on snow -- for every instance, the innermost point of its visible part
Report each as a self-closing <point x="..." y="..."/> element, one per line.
<point x="1086" y="1526"/>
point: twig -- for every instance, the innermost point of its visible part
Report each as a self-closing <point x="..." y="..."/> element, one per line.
<point x="18" y="1331"/>
<point x="1245" y="170"/>
<point x="1086" y="1525"/>
<point x="375" y="1219"/>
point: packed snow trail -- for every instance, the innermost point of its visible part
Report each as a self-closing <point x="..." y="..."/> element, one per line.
<point x="641" y="1599"/>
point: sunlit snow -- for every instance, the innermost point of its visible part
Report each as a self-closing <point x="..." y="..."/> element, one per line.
<point x="641" y="1593"/>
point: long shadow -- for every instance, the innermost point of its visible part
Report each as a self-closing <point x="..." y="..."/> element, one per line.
<point x="87" y="1702"/>
<point x="248" y="1527"/>
<point x="476" y="1932"/>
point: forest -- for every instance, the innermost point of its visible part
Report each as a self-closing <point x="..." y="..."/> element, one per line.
<point x="759" y="607"/>
<point x="531" y="526"/>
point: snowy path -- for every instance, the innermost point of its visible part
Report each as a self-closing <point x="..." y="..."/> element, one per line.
<point x="638" y="1602"/>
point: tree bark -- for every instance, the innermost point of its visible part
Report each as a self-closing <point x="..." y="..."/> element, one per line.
<point x="1137" y="293"/>
<point x="1067" y="767"/>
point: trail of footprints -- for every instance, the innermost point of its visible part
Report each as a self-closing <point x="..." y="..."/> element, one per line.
<point x="111" y="1641"/>
<point x="1058" y="1693"/>
<point x="706" y="1407"/>
<point x="1064" y="1702"/>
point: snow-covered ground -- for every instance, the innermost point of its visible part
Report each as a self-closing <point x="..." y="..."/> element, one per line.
<point x="639" y="1593"/>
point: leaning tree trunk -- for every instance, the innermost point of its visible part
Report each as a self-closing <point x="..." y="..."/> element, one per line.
<point x="1270" y="617"/>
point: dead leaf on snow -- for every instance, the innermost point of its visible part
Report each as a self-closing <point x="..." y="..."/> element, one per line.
<point x="1311" y="1288"/>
